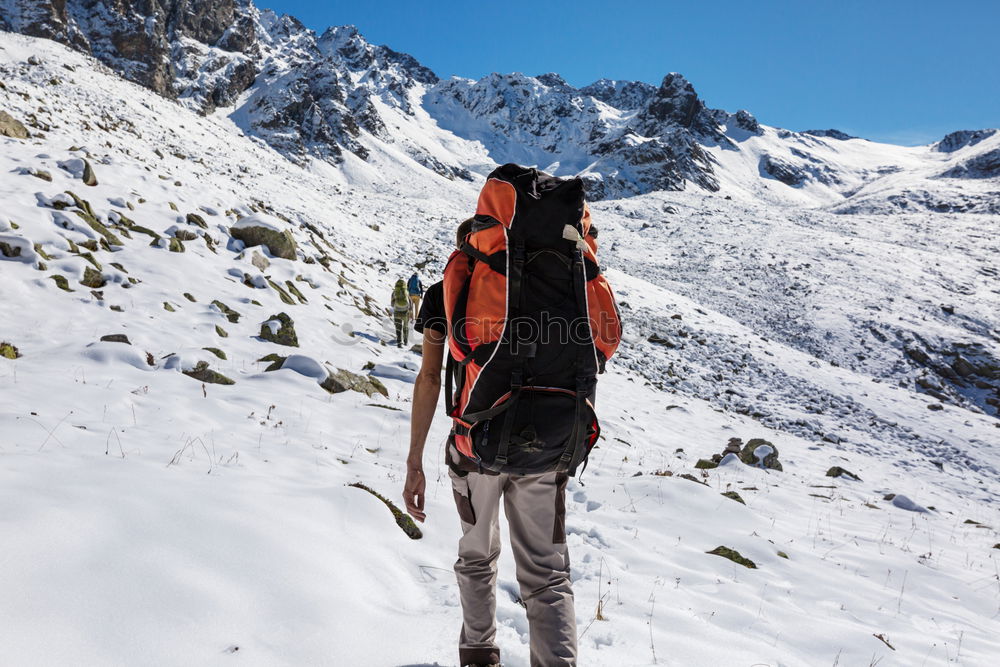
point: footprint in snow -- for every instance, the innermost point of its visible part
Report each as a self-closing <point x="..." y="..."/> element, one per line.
<point x="591" y="537"/>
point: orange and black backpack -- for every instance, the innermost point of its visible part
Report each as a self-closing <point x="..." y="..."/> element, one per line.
<point x="531" y="322"/>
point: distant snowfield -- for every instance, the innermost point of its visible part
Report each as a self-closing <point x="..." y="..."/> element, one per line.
<point x="149" y="518"/>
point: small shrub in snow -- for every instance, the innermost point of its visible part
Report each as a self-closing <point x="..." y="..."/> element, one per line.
<point x="8" y="351"/>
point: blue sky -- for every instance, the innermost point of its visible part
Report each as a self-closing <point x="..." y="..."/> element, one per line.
<point x="887" y="70"/>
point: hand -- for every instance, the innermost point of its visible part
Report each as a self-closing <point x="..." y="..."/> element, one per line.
<point x="413" y="491"/>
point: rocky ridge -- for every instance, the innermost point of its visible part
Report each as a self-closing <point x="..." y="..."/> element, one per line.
<point x="325" y="96"/>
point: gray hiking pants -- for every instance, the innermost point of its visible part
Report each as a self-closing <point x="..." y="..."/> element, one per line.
<point x="535" y="506"/>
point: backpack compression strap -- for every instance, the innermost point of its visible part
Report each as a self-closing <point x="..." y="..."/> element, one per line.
<point x="514" y="281"/>
<point x="574" y="451"/>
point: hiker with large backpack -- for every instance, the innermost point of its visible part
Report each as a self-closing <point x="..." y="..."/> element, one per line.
<point x="416" y="291"/>
<point x="529" y="321"/>
<point x="400" y="313"/>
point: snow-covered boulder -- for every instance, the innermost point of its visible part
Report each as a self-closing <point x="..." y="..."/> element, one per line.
<point x="260" y="229"/>
<point x="761" y="453"/>
<point x="17" y="248"/>
<point x="279" y="329"/>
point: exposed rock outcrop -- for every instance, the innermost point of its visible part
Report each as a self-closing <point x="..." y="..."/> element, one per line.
<point x="279" y="329"/>
<point x="11" y="127"/>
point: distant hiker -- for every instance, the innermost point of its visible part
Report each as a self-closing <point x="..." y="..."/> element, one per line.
<point x="416" y="290"/>
<point x="521" y="404"/>
<point x="400" y="313"/>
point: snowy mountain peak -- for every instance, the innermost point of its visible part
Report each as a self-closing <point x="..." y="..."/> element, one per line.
<point x="552" y="80"/>
<point x="620" y="94"/>
<point x="831" y="133"/>
<point x="336" y="94"/>
<point x="676" y="103"/>
<point x="963" y="138"/>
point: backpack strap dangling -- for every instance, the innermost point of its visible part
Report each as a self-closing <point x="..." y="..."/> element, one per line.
<point x="574" y="450"/>
<point x="514" y="282"/>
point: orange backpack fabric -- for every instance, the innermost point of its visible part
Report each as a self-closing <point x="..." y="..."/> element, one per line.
<point x="532" y="321"/>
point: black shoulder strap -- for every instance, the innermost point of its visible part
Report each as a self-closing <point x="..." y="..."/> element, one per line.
<point x="497" y="261"/>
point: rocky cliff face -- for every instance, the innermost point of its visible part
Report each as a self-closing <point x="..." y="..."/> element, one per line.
<point x="316" y="94"/>
<point x="624" y="138"/>
<point x="193" y="49"/>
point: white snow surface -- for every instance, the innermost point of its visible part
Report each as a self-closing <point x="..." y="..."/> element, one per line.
<point x="259" y="220"/>
<point x="148" y="518"/>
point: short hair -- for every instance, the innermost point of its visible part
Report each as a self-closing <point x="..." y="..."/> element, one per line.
<point x="464" y="228"/>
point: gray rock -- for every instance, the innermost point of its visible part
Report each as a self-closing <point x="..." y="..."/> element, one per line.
<point x="281" y="244"/>
<point x="750" y="456"/>
<point x="837" y="471"/>
<point x="89" y="177"/>
<point x="342" y="380"/>
<point x="203" y="373"/>
<point x="283" y="333"/>
<point x="93" y="278"/>
<point x="260" y="261"/>
<point x="230" y="314"/>
<point x="11" y="127"/>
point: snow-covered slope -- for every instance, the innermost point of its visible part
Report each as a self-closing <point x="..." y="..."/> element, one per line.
<point x="155" y="517"/>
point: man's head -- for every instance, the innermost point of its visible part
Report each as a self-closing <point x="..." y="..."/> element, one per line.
<point x="463" y="230"/>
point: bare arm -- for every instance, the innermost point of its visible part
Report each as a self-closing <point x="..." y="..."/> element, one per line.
<point x="426" y="390"/>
